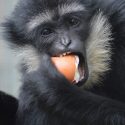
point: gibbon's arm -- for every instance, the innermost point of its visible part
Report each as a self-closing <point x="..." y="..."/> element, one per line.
<point x="8" y="108"/>
<point x="59" y="97"/>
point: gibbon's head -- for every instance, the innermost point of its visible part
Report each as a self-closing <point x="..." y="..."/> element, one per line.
<point x="58" y="28"/>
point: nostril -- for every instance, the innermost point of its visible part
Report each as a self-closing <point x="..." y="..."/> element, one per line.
<point x="70" y="41"/>
<point x="65" y="41"/>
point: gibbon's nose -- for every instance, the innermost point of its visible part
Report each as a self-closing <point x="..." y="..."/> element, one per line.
<point x="65" y="41"/>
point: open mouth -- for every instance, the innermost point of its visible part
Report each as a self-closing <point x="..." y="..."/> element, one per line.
<point x="81" y="70"/>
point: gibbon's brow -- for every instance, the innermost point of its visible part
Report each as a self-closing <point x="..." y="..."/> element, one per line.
<point x="49" y="14"/>
<point x="39" y="19"/>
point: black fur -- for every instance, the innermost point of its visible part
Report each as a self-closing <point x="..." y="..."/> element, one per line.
<point x="46" y="96"/>
<point x="8" y="109"/>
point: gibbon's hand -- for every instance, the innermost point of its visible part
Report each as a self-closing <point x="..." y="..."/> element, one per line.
<point x="48" y="71"/>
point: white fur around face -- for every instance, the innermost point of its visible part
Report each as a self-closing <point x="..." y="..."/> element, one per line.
<point x="30" y="57"/>
<point x="69" y="8"/>
<point x="98" y="49"/>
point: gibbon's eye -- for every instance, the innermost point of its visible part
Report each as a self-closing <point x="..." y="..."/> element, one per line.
<point x="73" y="21"/>
<point x="46" y="31"/>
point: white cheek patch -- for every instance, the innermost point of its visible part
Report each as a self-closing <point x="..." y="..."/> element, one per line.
<point x="39" y="19"/>
<point x="69" y="8"/>
<point x="98" y="49"/>
<point x="29" y="57"/>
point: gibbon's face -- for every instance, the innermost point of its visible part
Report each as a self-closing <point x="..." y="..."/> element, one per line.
<point x="60" y="31"/>
<point x="61" y="27"/>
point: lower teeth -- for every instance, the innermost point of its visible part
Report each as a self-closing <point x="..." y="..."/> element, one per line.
<point x="77" y="74"/>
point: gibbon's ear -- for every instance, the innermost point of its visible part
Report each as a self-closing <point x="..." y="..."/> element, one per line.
<point x="8" y="108"/>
